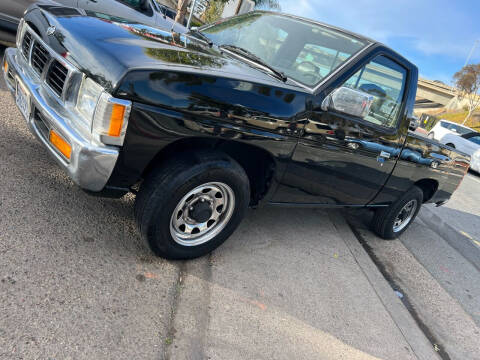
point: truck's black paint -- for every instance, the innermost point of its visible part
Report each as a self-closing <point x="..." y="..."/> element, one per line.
<point x="187" y="94"/>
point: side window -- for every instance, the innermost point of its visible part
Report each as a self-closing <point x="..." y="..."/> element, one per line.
<point x="445" y="125"/>
<point x="138" y="6"/>
<point x="385" y="80"/>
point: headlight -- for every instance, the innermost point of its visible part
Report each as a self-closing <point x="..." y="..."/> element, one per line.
<point x="106" y="115"/>
<point x="20" y="32"/>
<point x="88" y="96"/>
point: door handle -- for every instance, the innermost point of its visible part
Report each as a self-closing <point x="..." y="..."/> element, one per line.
<point x="384" y="154"/>
<point x="382" y="157"/>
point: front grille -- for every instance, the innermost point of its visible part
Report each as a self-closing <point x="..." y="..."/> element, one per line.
<point x="26" y="44"/>
<point x="40" y="56"/>
<point x="45" y="62"/>
<point x="56" y="76"/>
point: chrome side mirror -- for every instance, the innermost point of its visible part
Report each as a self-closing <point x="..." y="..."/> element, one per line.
<point x="348" y="101"/>
<point x="414" y="123"/>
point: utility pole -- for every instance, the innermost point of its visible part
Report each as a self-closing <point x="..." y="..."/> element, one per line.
<point x="475" y="44"/>
<point x="192" y="8"/>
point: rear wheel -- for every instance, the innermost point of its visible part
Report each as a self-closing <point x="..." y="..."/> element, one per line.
<point x="391" y="222"/>
<point x="451" y="145"/>
<point x="189" y="206"/>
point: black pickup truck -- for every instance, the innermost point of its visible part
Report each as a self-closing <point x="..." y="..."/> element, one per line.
<point x="262" y="108"/>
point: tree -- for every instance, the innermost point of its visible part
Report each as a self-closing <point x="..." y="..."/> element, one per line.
<point x="214" y="11"/>
<point x="467" y="81"/>
<point x="183" y="4"/>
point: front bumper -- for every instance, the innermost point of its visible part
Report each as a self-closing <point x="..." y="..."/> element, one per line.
<point x="90" y="165"/>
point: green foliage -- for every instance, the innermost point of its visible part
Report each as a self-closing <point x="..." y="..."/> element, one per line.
<point x="268" y="4"/>
<point x="214" y="11"/>
<point x="467" y="79"/>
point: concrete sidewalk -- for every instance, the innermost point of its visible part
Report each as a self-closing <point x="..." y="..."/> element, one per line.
<point x="291" y="284"/>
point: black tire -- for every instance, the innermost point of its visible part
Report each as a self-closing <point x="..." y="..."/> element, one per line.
<point x="451" y="145"/>
<point x="384" y="218"/>
<point x="165" y="187"/>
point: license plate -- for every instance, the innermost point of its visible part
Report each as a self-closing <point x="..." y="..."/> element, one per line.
<point x="22" y="98"/>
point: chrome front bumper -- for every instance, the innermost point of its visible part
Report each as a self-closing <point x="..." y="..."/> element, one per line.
<point x="90" y="164"/>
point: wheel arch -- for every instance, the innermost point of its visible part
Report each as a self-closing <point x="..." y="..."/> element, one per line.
<point x="260" y="172"/>
<point x="428" y="186"/>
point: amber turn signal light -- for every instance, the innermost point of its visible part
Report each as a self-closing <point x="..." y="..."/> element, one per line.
<point x="5" y="67"/>
<point x="60" y="144"/>
<point x="116" y="120"/>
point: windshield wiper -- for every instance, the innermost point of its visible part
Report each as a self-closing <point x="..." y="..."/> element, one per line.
<point x="199" y="34"/>
<point x="251" y="56"/>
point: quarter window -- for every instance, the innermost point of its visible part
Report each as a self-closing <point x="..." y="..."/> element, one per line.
<point x="475" y="139"/>
<point x="385" y="80"/>
<point x="444" y="125"/>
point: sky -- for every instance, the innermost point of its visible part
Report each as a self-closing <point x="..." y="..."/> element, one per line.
<point x="436" y="35"/>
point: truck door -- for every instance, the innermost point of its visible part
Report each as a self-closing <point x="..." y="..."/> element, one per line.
<point x="343" y="159"/>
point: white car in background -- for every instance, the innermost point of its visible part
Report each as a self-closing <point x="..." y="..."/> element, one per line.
<point x="459" y="137"/>
<point x="468" y="143"/>
<point x="444" y="127"/>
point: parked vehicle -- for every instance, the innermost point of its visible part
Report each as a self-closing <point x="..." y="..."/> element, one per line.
<point x="468" y="143"/>
<point x="148" y="12"/>
<point x="260" y="109"/>
<point x="169" y="12"/>
<point x="10" y="13"/>
<point x="444" y="127"/>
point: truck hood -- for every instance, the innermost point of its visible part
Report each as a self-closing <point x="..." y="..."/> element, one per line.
<point x="106" y="47"/>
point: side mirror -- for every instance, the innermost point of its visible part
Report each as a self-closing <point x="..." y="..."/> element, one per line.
<point x="348" y="101"/>
<point x="414" y="122"/>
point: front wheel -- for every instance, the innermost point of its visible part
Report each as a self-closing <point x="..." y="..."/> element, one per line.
<point x="189" y="206"/>
<point x="391" y="222"/>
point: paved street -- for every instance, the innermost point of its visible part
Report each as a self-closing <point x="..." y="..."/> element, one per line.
<point x="77" y="281"/>
<point x="436" y="265"/>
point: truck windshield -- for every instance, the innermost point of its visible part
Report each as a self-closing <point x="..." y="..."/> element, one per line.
<point x="303" y="51"/>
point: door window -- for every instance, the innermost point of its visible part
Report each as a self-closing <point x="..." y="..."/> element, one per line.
<point x="459" y="129"/>
<point x="444" y="125"/>
<point x="138" y="5"/>
<point x="475" y="139"/>
<point x="385" y="80"/>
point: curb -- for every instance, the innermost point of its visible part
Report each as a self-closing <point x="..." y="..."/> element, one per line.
<point x="418" y="342"/>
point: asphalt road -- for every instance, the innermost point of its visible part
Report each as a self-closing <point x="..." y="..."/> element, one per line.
<point x="435" y="265"/>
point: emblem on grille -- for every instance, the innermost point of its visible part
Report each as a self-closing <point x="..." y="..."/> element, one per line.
<point x="51" y="30"/>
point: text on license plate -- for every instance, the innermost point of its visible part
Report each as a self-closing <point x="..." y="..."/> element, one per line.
<point x="22" y="98"/>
